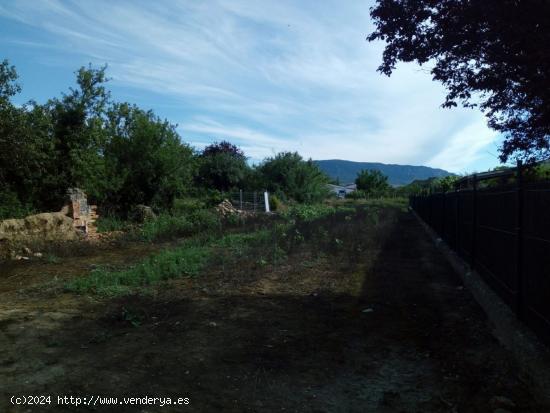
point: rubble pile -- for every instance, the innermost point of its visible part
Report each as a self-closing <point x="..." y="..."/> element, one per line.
<point x="226" y="208"/>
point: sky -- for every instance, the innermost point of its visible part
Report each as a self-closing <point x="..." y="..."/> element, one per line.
<point x="269" y="76"/>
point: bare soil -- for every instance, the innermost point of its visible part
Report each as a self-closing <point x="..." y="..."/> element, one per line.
<point x="391" y="330"/>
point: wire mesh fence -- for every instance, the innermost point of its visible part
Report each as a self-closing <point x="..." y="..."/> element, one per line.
<point x="250" y="201"/>
<point x="503" y="232"/>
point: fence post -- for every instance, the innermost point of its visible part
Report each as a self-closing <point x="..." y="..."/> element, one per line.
<point x="520" y="238"/>
<point x="241" y="199"/>
<point x="457" y="220"/>
<point x="443" y="220"/>
<point x="266" y="201"/>
<point x="430" y="208"/>
<point x="474" y="223"/>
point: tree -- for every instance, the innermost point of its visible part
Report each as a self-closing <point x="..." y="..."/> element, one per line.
<point x="222" y="166"/>
<point x="487" y="53"/>
<point x="145" y="160"/>
<point x="446" y="183"/>
<point x="79" y="134"/>
<point x="25" y="150"/>
<point x="289" y="176"/>
<point x="8" y="82"/>
<point x="372" y="182"/>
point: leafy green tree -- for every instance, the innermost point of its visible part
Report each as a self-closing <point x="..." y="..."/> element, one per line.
<point x="8" y="82"/>
<point x="145" y="160"/>
<point x="24" y="148"/>
<point x="372" y="182"/>
<point x="222" y="166"/>
<point x="487" y="53"/>
<point x="79" y="134"/>
<point x="446" y="183"/>
<point x="289" y="176"/>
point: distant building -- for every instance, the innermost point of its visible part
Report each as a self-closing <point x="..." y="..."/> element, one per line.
<point x="342" y="190"/>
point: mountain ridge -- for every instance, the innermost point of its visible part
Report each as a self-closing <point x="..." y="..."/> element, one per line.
<point x="346" y="171"/>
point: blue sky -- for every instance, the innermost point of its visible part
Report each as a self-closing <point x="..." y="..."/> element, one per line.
<point x="266" y="75"/>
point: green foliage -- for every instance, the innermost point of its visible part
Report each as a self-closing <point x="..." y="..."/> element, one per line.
<point x="11" y="207"/>
<point x="487" y="54"/>
<point x="186" y="260"/>
<point x="77" y="127"/>
<point x="373" y="182"/>
<point x="319" y="229"/>
<point x="111" y="223"/>
<point x="182" y="206"/>
<point x="222" y="166"/>
<point x="357" y="194"/>
<point x="26" y="148"/>
<point x="276" y="204"/>
<point x="167" y="226"/>
<point x="445" y="184"/>
<point x="539" y="172"/>
<point x="145" y="159"/>
<point x="288" y="176"/>
<point x="308" y="213"/>
<point x="122" y="156"/>
<point x="171" y="263"/>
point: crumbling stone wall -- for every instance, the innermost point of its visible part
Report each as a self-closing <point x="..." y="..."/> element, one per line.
<point x="75" y="221"/>
<point x="83" y="214"/>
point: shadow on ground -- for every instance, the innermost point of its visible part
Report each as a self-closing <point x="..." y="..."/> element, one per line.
<point x="412" y="340"/>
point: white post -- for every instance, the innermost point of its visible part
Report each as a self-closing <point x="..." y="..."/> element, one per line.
<point x="266" y="199"/>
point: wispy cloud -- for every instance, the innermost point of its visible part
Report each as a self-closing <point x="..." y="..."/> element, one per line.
<point x="271" y="75"/>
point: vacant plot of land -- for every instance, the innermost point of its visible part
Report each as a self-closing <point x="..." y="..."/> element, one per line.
<point x="372" y="319"/>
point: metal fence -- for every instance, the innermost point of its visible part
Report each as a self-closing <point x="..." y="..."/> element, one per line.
<point x="250" y="201"/>
<point x="500" y="225"/>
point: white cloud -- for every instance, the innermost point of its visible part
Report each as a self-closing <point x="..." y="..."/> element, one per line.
<point x="272" y="75"/>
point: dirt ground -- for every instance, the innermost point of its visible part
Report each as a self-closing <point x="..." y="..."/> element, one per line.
<point x="394" y="331"/>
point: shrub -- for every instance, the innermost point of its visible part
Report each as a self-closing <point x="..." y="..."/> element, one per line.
<point x="11" y="207"/>
<point x="167" y="226"/>
<point x="358" y="194"/>
<point x="111" y="223"/>
<point x="187" y="205"/>
<point x="304" y="212"/>
<point x="163" y="227"/>
<point x="186" y="260"/>
<point x="288" y="175"/>
<point x="276" y="204"/>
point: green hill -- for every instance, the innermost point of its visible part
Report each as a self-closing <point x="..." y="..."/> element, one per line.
<point x="346" y="171"/>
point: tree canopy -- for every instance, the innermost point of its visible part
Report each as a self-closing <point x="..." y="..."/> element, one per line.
<point x="371" y="181"/>
<point x="487" y="53"/>
<point x="117" y="153"/>
<point x="222" y="166"/>
<point x="289" y="176"/>
<point x="122" y="155"/>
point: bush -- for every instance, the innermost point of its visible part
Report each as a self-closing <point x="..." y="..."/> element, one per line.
<point x="182" y="206"/>
<point x="186" y="260"/>
<point x="11" y="207"/>
<point x="276" y="204"/>
<point x="289" y="176"/>
<point x="167" y="226"/>
<point x="111" y="223"/>
<point x="304" y="212"/>
<point x="358" y="194"/>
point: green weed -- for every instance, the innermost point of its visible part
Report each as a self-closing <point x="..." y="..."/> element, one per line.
<point x="111" y="223"/>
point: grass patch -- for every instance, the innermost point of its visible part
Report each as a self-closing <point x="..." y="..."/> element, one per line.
<point x="321" y="230"/>
<point x="186" y="260"/>
<point x="167" y="226"/>
<point x="111" y="223"/>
